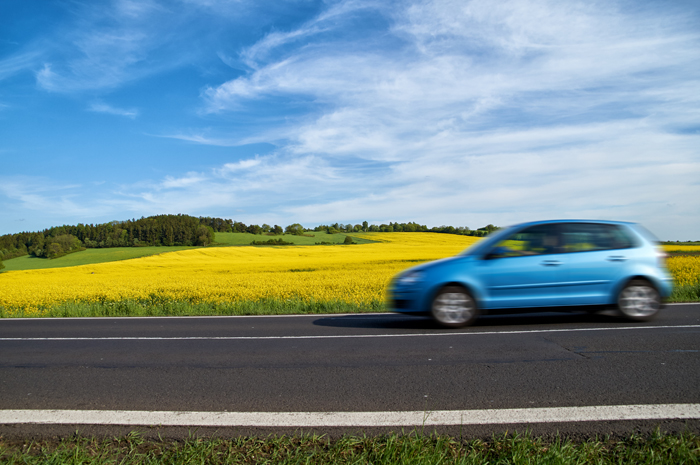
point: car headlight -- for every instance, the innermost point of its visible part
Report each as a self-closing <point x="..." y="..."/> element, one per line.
<point x="410" y="278"/>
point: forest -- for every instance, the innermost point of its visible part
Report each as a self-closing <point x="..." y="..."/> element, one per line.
<point x="164" y="230"/>
<point x="177" y="230"/>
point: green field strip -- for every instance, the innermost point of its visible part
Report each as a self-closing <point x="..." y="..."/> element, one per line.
<point x="86" y="257"/>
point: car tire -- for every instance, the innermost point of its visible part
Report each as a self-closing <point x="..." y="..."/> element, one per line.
<point x="639" y="301"/>
<point x="454" y="307"/>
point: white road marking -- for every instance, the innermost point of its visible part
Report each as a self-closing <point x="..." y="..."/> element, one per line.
<point x="330" y="419"/>
<point x="337" y="336"/>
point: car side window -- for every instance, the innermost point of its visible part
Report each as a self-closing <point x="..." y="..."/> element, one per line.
<point x="535" y="240"/>
<point x="587" y="237"/>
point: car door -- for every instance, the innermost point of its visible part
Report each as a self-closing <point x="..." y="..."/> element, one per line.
<point x="524" y="270"/>
<point x="597" y="255"/>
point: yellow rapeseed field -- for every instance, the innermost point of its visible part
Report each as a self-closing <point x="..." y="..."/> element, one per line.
<point x="344" y="273"/>
<point x="685" y="269"/>
<point x="350" y="273"/>
<point x="681" y="248"/>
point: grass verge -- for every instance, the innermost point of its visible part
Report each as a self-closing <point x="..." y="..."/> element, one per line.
<point x="656" y="448"/>
<point x="687" y="293"/>
<point x="160" y="307"/>
<point x="157" y="306"/>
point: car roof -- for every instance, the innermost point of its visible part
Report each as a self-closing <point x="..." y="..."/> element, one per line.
<point x="532" y="223"/>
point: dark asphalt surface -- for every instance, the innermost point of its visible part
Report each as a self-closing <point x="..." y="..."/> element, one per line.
<point x="502" y="362"/>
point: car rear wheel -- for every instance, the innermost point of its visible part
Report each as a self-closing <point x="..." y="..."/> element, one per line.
<point x="453" y="307"/>
<point x="639" y="301"/>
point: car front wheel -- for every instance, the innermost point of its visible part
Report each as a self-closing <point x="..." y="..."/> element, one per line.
<point x="639" y="301"/>
<point x="453" y="307"/>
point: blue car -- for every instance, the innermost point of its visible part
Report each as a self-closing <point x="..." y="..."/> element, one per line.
<point x="544" y="265"/>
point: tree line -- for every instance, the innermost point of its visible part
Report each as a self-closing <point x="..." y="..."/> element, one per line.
<point x="177" y="230"/>
<point x="405" y="227"/>
<point x="161" y="230"/>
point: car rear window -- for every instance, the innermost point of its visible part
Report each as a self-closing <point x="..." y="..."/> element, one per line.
<point x="648" y="235"/>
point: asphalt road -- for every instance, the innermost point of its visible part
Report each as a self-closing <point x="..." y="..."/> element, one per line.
<point x="351" y="363"/>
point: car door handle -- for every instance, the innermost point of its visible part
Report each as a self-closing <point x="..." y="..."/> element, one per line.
<point x="550" y="263"/>
<point x="616" y="258"/>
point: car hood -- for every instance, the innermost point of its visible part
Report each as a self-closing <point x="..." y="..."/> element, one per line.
<point x="426" y="267"/>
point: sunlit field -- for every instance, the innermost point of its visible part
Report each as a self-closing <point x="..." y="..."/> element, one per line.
<point x="685" y="269"/>
<point x="240" y="280"/>
<point x="690" y="249"/>
<point x="354" y="275"/>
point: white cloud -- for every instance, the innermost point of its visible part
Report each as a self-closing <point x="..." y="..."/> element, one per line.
<point x="242" y="165"/>
<point x="53" y="202"/>
<point x="177" y="183"/>
<point x="100" y="107"/>
<point x="205" y="139"/>
<point x="517" y="110"/>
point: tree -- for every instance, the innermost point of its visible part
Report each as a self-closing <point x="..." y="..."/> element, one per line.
<point x="254" y="229"/>
<point x="348" y="240"/>
<point x="239" y="227"/>
<point x="61" y="245"/>
<point x="53" y="250"/>
<point x="277" y="229"/>
<point x="295" y="229"/>
<point x="365" y="225"/>
<point x="205" y="235"/>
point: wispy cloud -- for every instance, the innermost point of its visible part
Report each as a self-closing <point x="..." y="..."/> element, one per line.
<point x="23" y="61"/>
<point x="40" y="195"/>
<point x="110" y="44"/>
<point x="202" y="139"/>
<point x="99" y="107"/>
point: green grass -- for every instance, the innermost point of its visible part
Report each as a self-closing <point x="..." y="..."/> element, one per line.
<point x="655" y="448"/>
<point x="86" y="257"/>
<point x="687" y="293"/>
<point x="157" y="306"/>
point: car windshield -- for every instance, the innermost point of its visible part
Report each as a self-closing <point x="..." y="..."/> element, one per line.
<point x="485" y="243"/>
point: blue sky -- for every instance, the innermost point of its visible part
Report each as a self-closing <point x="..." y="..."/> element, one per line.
<point x="458" y="113"/>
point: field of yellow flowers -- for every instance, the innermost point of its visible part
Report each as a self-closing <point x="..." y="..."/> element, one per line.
<point x="684" y="264"/>
<point x="685" y="269"/>
<point x="354" y="274"/>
